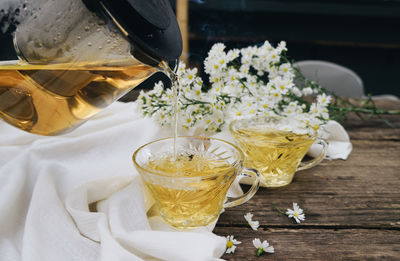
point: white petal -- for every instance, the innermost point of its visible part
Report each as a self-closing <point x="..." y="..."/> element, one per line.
<point x="269" y="249"/>
<point x="264" y="244"/>
<point x="248" y="217"/>
<point x="254" y="225"/>
<point x="257" y="243"/>
<point x="234" y="241"/>
<point x="231" y="250"/>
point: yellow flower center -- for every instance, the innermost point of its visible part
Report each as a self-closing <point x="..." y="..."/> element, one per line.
<point x="216" y="66"/>
<point x="197" y="92"/>
<point x="282" y="87"/>
<point x="222" y="61"/>
<point x="239" y="113"/>
<point x="296" y="214"/>
<point x="208" y="121"/>
<point x="190" y="76"/>
<point x="265" y="106"/>
<point x="188" y="120"/>
<point x="229" y="244"/>
<point x="285" y="69"/>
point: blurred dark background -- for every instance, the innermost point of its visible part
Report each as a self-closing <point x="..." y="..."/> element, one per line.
<point x="363" y="35"/>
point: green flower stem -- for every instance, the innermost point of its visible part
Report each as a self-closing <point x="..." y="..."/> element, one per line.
<point x="278" y="210"/>
<point x="245" y="86"/>
<point x="259" y="251"/>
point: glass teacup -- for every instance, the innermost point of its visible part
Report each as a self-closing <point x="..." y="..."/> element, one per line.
<point x="275" y="146"/>
<point x="190" y="181"/>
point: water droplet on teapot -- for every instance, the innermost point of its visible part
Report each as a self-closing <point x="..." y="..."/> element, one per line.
<point x="89" y="44"/>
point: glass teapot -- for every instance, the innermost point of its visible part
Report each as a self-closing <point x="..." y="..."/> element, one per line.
<point x="78" y="56"/>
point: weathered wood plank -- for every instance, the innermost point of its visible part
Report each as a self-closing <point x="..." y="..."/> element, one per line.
<point x="360" y="192"/>
<point x="375" y="128"/>
<point x="316" y="244"/>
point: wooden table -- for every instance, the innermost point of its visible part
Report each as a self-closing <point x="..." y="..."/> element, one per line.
<point x="352" y="207"/>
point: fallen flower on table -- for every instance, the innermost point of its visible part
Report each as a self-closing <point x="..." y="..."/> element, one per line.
<point x="230" y="244"/>
<point x="253" y="224"/>
<point x="262" y="247"/>
<point x="296" y="213"/>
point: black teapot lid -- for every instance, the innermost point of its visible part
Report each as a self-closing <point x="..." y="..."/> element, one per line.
<point x="149" y="24"/>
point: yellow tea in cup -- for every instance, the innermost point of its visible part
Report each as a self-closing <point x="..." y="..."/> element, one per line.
<point x="190" y="187"/>
<point x="275" y="146"/>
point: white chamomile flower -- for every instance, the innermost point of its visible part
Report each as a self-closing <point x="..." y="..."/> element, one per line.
<point x="286" y="70"/>
<point x="296" y="91"/>
<point x="324" y="99"/>
<point x="258" y="83"/>
<point x="231" y="244"/>
<point x="253" y="224"/>
<point x="281" y="47"/>
<point x="262" y="247"/>
<point x="296" y="213"/>
<point x="307" y="91"/>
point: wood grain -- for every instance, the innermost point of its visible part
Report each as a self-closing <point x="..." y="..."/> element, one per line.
<point x="360" y="192"/>
<point x="316" y="244"/>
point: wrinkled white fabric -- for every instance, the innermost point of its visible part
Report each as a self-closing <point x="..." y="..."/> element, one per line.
<point x="339" y="145"/>
<point x="48" y="183"/>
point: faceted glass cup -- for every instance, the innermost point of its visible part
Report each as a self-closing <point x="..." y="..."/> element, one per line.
<point x="190" y="186"/>
<point x="276" y="146"/>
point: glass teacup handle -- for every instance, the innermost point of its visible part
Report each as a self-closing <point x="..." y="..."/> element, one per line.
<point x="248" y="173"/>
<point x="311" y="163"/>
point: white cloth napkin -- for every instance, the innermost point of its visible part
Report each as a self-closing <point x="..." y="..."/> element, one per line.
<point x="339" y="145"/>
<point x="48" y="183"/>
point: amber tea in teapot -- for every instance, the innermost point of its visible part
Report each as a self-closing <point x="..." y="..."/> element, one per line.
<point x="49" y="99"/>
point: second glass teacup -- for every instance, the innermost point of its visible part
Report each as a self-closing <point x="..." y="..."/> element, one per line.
<point x="189" y="178"/>
<point x="275" y="146"/>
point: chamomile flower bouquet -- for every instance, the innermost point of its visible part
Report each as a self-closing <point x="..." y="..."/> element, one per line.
<point x="247" y="82"/>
